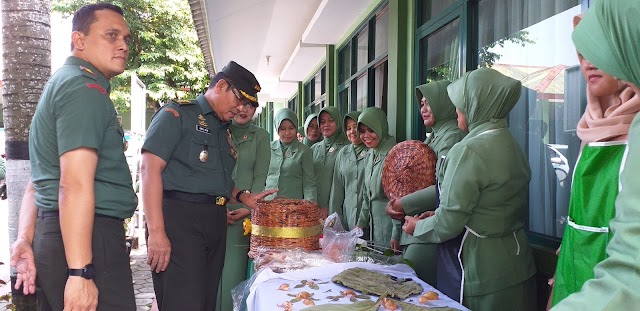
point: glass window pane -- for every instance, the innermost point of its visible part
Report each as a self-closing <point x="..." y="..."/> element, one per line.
<point x="380" y="91"/>
<point x="317" y="86"/>
<point x="439" y="54"/>
<point x="343" y="101"/>
<point x="382" y="40"/>
<point x="344" y="64"/>
<point x="363" y="48"/>
<point x="531" y="41"/>
<point x="361" y="92"/>
<point x="430" y="8"/>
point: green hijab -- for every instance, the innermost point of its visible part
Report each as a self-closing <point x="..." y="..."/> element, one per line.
<point x="608" y="36"/>
<point x="285" y="114"/>
<point x="306" y="128"/>
<point x="337" y="116"/>
<point x="436" y="94"/>
<point x="354" y="116"/>
<point x="484" y="94"/>
<point x="376" y="119"/>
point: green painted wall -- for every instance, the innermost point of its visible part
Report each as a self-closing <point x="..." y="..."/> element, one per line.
<point x="400" y="83"/>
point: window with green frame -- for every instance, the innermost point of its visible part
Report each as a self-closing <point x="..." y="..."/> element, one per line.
<point x="293" y="103"/>
<point x="363" y="65"/>
<point x="315" y="92"/>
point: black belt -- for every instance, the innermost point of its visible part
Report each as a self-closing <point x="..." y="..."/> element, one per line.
<point x="195" y="197"/>
<point x="56" y="213"/>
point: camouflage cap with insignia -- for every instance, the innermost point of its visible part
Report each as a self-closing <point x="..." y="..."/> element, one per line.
<point x="244" y="81"/>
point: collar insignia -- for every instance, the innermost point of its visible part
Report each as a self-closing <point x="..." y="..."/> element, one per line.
<point x="202" y="121"/>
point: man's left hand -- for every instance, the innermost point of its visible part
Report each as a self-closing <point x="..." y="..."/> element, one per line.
<point x="251" y="199"/>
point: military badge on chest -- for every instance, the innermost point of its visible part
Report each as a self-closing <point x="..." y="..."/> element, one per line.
<point x="203" y="127"/>
<point x="232" y="147"/>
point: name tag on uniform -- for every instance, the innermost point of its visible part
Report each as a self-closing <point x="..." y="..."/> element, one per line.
<point x="203" y="129"/>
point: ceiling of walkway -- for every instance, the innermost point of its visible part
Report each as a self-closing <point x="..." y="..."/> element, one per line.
<point x="280" y="41"/>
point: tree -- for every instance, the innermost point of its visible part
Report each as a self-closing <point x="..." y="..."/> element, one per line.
<point x="26" y="32"/>
<point x="164" y="51"/>
<point x="487" y="58"/>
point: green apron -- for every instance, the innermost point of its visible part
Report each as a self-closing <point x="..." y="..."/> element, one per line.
<point x="593" y="196"/>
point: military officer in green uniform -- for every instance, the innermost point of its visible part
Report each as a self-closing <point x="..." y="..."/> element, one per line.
<point x="312" y="133"/>
<point x="188" y="159"/>
<point x="250" y="172"/>
<point x="291" y="166"/>
<point x="325" y="152"/>
<point x="602" y="38"/>
<point x="346" y="194"/>
<point x="80" y="185"/>
<point x="374" y="133"/>
<point x="439" y="114"/>
<point x="484" y="196"/>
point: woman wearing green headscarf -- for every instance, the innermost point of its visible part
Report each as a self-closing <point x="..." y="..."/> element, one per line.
<point x="311" y="130"/>
<point x="484" y="196"/>
<point x="374" y="133"/>
<point x="605" y="37"/>
<point x="603" y="131"/>
<point x="291" y="166"/>
<point x="325" y="152"/>
<point x="348" y="175"/>
<point x="249" y="173"/>
<point x="438" y="113"/>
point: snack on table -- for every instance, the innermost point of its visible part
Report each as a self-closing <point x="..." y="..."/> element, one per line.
<point x="285" y="224"/>
<point x="409" y="167"/>
<point x="373" y="282"/>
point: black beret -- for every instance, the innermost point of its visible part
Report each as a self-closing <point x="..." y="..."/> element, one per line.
<point x="243" y="80"/>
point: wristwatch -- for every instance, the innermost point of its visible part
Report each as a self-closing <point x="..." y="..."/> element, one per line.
<point x="240" y="193"/>
<point x="88" y="272"/>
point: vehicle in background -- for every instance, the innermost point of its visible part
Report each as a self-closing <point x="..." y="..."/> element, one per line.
<point x="559" y="161"/>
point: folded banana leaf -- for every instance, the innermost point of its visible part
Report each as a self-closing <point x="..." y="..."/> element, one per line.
<point x="372" y="282"/>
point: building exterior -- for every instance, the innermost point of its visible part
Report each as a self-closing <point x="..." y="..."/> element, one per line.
<point x="359" y="53"/>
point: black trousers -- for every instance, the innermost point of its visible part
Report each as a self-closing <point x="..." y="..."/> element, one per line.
<point x="197" y="232"/>
<point x="113" y="272"/>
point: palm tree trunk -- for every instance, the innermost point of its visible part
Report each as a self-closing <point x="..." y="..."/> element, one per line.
<point x="26" y="33"/>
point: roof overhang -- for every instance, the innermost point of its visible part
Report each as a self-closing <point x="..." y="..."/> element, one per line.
<point x="280" y="41"/>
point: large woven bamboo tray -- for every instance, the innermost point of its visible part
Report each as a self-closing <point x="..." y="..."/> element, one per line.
<point x="284" y="224"/>
<point x="409" y="167"/>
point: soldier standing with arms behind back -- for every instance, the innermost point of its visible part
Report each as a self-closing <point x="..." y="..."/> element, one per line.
<point x="187" y="163"/>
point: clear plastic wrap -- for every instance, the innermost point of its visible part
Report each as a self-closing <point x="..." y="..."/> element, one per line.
<point x="281" y="261"/>
<point x="338" y="245"/>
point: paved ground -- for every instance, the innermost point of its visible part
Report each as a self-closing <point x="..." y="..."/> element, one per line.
<point x="142" y="283"/>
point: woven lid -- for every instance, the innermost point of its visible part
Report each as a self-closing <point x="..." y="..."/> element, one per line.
<point x="409" y="167"/>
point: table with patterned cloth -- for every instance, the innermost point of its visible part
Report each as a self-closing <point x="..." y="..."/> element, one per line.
<point x="267" y="291"/>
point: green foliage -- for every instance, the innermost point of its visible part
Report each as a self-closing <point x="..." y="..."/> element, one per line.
<point x="487" y="58"/>
<point x="164" y="50"/>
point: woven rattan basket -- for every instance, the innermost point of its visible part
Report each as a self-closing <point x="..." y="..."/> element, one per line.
<point x="409" y="167"/>
<point x="283" y="224"/>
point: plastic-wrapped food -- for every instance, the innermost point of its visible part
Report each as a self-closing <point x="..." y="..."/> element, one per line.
<point x="281" y="261"/>
<point x="338" y="245"/>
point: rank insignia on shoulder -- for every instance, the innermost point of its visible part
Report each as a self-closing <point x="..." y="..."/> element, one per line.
<point x="173" y="112"/>
<point x="202" y="121"/>
<point x="83" y="68"/>
<point x="97" y="87"/>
